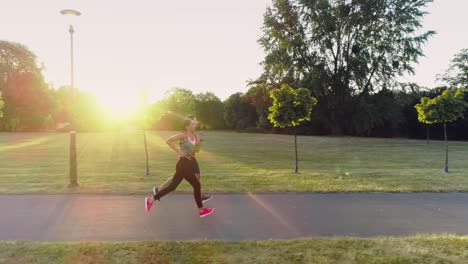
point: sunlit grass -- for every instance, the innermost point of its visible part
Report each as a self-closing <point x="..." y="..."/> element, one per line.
<point x="418" y="249"/>
<point x="230" y="162"/>
<point x="23" y="144"/>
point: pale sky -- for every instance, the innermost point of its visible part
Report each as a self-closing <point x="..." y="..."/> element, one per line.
<point x="448" y="19"/>
<point x="122" y="46"/>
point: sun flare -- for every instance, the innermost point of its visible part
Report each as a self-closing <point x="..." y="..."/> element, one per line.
<point x="120" y="107"/>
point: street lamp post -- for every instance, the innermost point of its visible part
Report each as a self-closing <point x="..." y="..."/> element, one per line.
<point x="73" y="157"/>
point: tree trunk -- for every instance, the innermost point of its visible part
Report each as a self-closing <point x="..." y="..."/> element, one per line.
<point x="427" y="133"/>
<point x="446" y="148"/>
<point x="146" y="151"/>
<point x="295" y="149"/>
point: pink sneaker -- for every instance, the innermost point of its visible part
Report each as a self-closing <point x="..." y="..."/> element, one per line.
<point x="148" y="204"/>
<point x="206" y="211"/>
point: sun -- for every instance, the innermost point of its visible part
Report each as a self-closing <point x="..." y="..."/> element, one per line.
<point x="120" y="107"/>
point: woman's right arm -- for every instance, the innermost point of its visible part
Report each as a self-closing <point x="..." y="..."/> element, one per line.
<point x="170" y="141"/>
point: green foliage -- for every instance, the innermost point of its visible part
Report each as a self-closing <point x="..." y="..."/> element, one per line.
<point x="457" y="73"/>
<point x="258" y="96"/>
<point x="290" y="107"/>
<point x="209" y="110"/>
<point x="88" y="114"/>
<point x="27" y="100"/>
<point x="233" y="110"/>
<point x="15" y="58"/>
<point x="48" y="123"/>
<point x="177" y="104"/>
<point x="82" y="109"/>
<point x="13" y="122"/>
<point x="170" y="112"/>
<point x="445" y="108"/>
<point x="238" y="113"/>
<point x="341" y="49"/>
<point x="180" y="101"/>
<point x="371" y="112"/>
<point x="367" y="42"/>
<point x="155" y="113"/>
<point x="26" y="96"/>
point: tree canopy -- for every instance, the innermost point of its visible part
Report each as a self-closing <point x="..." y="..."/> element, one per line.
<point x="339" y="49"/>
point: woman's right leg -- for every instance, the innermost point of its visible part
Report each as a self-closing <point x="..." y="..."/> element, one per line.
<point x="163" y="185"/>
<point x="166" y="183"/>
<point x="176" y="179"/>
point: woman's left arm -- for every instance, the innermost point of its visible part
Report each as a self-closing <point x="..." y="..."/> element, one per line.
<point x="200" y="140"/>
<point x="202" y="137"/>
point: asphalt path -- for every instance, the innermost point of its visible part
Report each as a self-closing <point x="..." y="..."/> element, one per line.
<point x="236" y="216"/>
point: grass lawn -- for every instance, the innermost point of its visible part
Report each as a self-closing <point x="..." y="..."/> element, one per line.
<point x="419" y="249"/>
<point x="231" y="162"/>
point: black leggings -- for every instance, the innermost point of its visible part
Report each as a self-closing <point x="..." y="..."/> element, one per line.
<point x="184" y="170"/>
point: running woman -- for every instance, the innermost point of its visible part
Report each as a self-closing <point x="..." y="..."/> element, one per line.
<point x="186" y="167"/>
<point x="199" y="142"/>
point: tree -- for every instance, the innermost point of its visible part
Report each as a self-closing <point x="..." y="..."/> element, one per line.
<point x="26" y="96"/>
<point x="48" y="123"/>
<point x="1" y="105"/>
<point x="61" y="106"/>
<point x="88" y="112"/>
<point x="28" y="100"/>
<point x="258" y="96"/>
<point x="209" y="110"/>
<point x="143" y="120"/>
<point x="290" y="108"/>
<point x="233" y="110"/>
<point x="15" y="58"/>
<point x="445" y="108"/>
<point x="457" y="73"/>
<point x="178" y="103"/>
<point x="341" y="48"/>
<point x="379" y="113"/>
<point x="238" y="113"/>
<point x="156" y="111"/>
